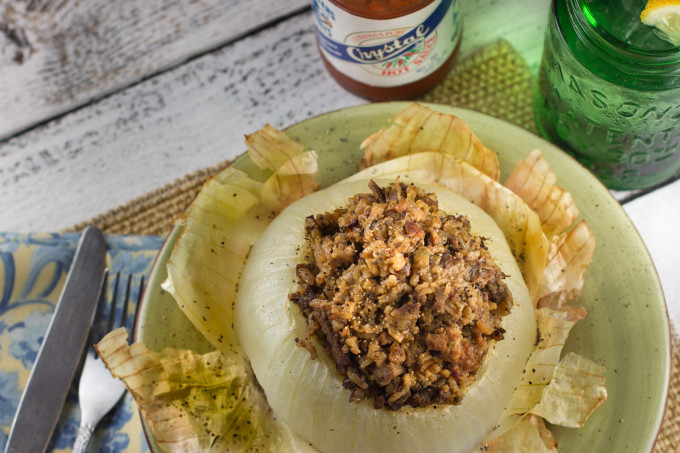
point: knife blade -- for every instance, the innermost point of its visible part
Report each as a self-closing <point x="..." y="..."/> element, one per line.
<point x="61" y="349"/>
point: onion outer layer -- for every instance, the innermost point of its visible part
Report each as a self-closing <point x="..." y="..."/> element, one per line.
<point x="308" y="395"/>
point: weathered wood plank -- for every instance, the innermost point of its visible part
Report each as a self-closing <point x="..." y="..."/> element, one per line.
<point x="185" y="119"/>
<point x="190" y="117"/>
<point x="56" y="55"/>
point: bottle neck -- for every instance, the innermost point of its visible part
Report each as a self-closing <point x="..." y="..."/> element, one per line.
<point x="626" y="57"/>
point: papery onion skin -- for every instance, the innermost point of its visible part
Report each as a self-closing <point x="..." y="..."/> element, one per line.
<point x="308" y="394"/>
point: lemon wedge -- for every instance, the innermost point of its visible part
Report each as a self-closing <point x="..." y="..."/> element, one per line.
<point x="665" y="16"/>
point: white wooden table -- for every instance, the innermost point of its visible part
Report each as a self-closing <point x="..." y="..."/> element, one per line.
<point x="103" y="101"/>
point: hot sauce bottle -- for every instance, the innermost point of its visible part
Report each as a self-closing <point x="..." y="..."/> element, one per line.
<point x="388" y="49"/>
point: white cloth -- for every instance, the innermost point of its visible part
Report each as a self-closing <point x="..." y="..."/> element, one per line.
<point x="657" y="218"/>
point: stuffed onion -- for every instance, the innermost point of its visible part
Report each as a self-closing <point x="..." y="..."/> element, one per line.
<point x="239" y="256"/>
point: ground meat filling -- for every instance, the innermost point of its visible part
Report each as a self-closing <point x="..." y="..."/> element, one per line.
<point x="403" y="297"/>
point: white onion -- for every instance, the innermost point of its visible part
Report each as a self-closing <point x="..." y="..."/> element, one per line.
<point x="308" y="394"/>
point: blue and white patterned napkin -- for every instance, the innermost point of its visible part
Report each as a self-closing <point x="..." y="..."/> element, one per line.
<point x="33" y="269"/>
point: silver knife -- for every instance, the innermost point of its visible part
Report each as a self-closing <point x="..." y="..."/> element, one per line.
<point x="61" y="349"/>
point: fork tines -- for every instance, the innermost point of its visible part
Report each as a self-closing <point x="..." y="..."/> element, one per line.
<point x="106" y="315"/>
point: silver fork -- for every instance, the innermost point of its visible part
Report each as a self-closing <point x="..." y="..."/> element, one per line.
<point x="98" y="391"/>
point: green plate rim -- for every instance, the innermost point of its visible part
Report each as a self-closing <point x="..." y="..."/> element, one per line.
<point x="548" y="149"/>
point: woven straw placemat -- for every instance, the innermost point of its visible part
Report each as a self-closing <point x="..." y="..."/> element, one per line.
<point x="495" y="80"/>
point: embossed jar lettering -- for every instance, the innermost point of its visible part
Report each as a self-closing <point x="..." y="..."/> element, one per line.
<point x="617" y="111"/>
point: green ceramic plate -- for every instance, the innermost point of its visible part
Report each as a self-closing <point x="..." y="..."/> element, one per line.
<point x="627" y="325"/>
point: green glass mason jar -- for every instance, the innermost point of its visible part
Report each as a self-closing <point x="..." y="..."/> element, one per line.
<point x="609" y="92"/>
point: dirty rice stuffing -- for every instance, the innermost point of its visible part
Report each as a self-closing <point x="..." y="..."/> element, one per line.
<point x="405" y="300"/>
